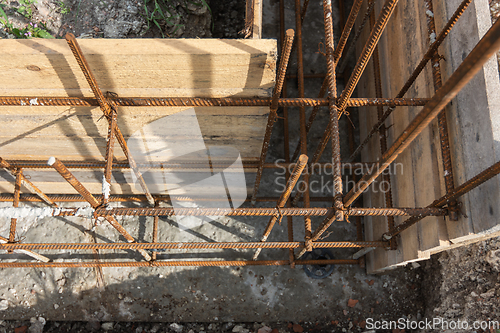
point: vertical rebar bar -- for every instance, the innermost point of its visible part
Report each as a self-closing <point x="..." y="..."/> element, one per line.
<point x="442" y="121"/>
<point x="386" y="178"/>
<point x="285" y="55"/>
<point x="110" y="145"/>
<point x="334" y="112"/>
<point x="366" y="53"/>
<point x="155" y="231"/>
<point x="286" y="135"/>
<point x="297" y="171"/>
<point x="302" y="114"/>
<point x="17" y="193"/>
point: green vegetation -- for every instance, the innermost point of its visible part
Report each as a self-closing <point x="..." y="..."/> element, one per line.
<point x="159" y="12"/>
<point x="32" y="29"/>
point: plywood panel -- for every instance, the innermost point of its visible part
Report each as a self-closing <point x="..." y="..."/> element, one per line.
<point x="140" y="67"/>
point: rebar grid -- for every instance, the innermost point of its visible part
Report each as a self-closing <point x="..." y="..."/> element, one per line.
<point x="342" y="206"/>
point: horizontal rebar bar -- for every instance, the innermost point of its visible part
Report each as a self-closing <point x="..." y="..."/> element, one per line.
<point x="185" y="246"/>
<point x="191" y="101"/>
<point x="159" y="263"/>
<point x="169" y="211"/>
<point x="39" y="164"/>
<point x="8" y="197"/>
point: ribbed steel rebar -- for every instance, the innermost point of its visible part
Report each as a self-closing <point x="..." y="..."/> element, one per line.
<point x="386" y="178"/>
<point x="442" y="121"/>
<point x="352" y="45"/>
<point x="205" y="263"/>
<point x="201" y="102"/>
<point x="184" y="246"/>
<point x="366" y="53"/>
<point x="169" y="211"/>
<point x="356" y="6"/>
<point x="280" y="79"/>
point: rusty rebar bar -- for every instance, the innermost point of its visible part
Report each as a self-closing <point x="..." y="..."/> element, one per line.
<point x="169" y="211"/>
<point x="155" y="230"/>
<point x="366" y="53"/>
<point x="302" y="114"/>
<point x="283" y="199"/>
<point x="285" y="55"/>
<point x="386" y="178"/>
<point x="442" y="121"/>
<point x="8" y="197"/>
<point x="185" y="245"/>
<point x="202" y="102"/>
<point x="286" y="135"/>
<point x="84" y="66"/>
<point x="17" y="193"/>
<point x="331" y="63"/>
<point x="450" y="197"/>
<point x="110" y="145"/>
<point x="75" y="183"/>
<point x="26" y="183"/>
<point x="464" y="73"/>
<point x="351" y="19"/>
<point x="94" y="164"/>
<point x="32" y="254"/>
<point x="425" y="59"/>
<point x="352" y="45"/>
<point x="205" y="263"/>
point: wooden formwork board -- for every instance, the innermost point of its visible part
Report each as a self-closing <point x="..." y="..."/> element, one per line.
<point x="130" y="68"/>
<point x="417" y="174"/>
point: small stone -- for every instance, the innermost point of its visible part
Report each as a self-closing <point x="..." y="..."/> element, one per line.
<point x="473" y="294"/>
<point x="176" y="327"/>
<point x="239" y="329"/>
<point x="297" y="328"/>
<point x="21" y="329"/>
<point x="56" y="306"/>
<point x="264" y="329"/>
<point x="107" y="326"/>
<point x="490" y="293"/>
<point x="4" y="305"/>
<point x="352" y="302"/>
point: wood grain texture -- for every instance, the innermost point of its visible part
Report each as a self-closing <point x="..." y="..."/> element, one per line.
<point x="131" y="67"/>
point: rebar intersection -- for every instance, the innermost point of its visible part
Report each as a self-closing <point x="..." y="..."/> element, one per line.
<point x="342" y="207"/>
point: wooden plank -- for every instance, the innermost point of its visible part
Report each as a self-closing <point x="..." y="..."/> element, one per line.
<point x="140" y="67"/>
<point x="257" y="19"/>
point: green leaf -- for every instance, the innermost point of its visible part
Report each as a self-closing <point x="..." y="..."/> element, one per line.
<point x="3" y="14"/>
<point x="44" y="34"/>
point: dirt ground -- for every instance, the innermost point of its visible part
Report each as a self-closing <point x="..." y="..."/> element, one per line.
<point x="458" y="284"/>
